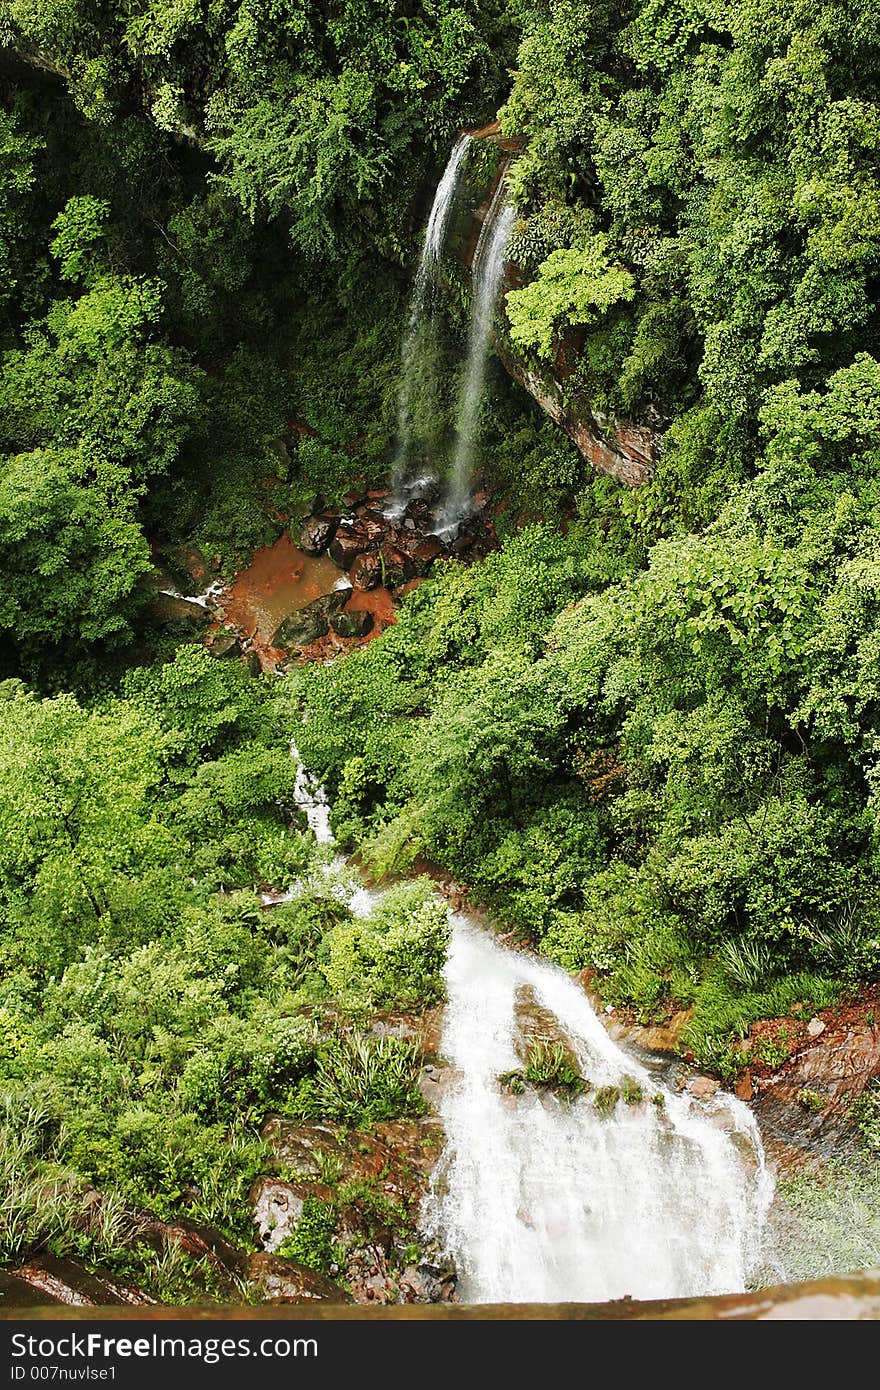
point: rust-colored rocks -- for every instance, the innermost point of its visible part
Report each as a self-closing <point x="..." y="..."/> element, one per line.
<point x="425" y="553"/>
<point x="347" y="544"/>
<point x="366" y="571"/>
<point x="282" y="606"/>
<point x="397" y="566"/>
<point x="808" y="1103"/>
<point x="47" y="1279"/>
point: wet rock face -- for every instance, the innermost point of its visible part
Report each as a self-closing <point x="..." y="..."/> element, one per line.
<point x="621" y="448"/>
<point x="219" y="1270"/>
<point x="539" y="1026"/>
<point x="374" y="1182"/>
<point x="366" y="571"/>
<point x="317" y="533"/>
<point x="48" y="1280"/>
<point x="177" y="613"/>
<point x="808" y="1103"/>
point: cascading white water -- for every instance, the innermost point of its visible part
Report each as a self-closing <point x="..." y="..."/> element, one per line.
<point x="545" y="1200"/>
<point x="488" y="269"/>
<point x="421" y="301"/>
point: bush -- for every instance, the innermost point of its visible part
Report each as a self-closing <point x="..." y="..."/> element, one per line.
<point x="360" y="1079"/>
<point x="395" y="956"/>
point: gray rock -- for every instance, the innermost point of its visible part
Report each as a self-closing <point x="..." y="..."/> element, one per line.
<point x="309" y="623"/>
<point x="278" y="1280"/>
<point x="278" y="1207"/>
<point x="317" y="533"/>
<point x="301" y="628"/>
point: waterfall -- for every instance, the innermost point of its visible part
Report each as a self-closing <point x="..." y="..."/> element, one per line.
<point x="488" y="269"/>
<point x="420" y="306"/>
<point x="541" y="1199"/>
<point x="546" y="1200"/>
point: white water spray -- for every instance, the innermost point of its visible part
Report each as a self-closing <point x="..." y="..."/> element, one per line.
<point x="545" y="1200"/>
<point x="420" y="305"/>
<point x="488" y="270"/>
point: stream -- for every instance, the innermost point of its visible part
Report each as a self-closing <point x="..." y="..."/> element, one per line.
<point x="541" y="1199"/>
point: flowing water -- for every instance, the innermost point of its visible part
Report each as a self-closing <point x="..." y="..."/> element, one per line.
<point x="541" y="1199"/>
<point x="420" y="309"/>
<point x="488" y="270"/>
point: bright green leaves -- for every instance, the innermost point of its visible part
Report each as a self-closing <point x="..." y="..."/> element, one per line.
<point x="78" y="229"/>
<point x="69" y="569"/>
<point x="90" y="412"/>
<point x="112" y="818"/>
<point x="573" y="287"/>
<point x="394" y="957"/>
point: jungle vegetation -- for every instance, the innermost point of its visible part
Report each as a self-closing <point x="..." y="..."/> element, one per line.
<point x="645" y="731"/>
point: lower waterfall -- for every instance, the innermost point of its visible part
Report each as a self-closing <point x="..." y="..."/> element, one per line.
<point x="546" y="1200"/>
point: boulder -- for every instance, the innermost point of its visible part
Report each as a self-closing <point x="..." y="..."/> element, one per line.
<point x="702" y="1087"/>
<point x="349" y="542"/>
<point x="54" y="1280"/>
<point x="278" y="1206"/>
<point x="177" y="613"/>
<point x="463" y="543"/>
<point x="308" y="624"/>
<point x="223" y="644"/>
<point x="366" y="572"/>
<point x="352" y="622"/>
<point x="398" y="566"/>
<point x="317" y="533"/>
<point x="186" y="565"/>
<point x="302" y="627"/>
<point x="426" y="552"/>
<point x="278" y="1280"/>
<point x="373" y="525"/>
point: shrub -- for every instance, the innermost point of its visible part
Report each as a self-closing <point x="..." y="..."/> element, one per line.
<point x="396" y="955"/>
<point x="360" y="1079"/>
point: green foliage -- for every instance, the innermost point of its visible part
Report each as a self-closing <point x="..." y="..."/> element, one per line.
<point x="572" y="287"/>
<point x="868" y="1116"/>
<point x="606" y="1100"/>
<point x="314" y="1242"/>
<point x="149" y="1021"/>
<point x="631" y="1093"/>
<point x="395" y="956"/>
<point x="550" y="1065"/>
<point x="361" y="1079"/>
<point x="77" y="229"/>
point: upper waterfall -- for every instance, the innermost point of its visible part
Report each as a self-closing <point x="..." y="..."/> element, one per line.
<point x="488" y="271"/>
<point x="420" y="309"/>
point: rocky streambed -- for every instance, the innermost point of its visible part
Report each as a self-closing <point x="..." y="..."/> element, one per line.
<point x="334" y="579"/>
